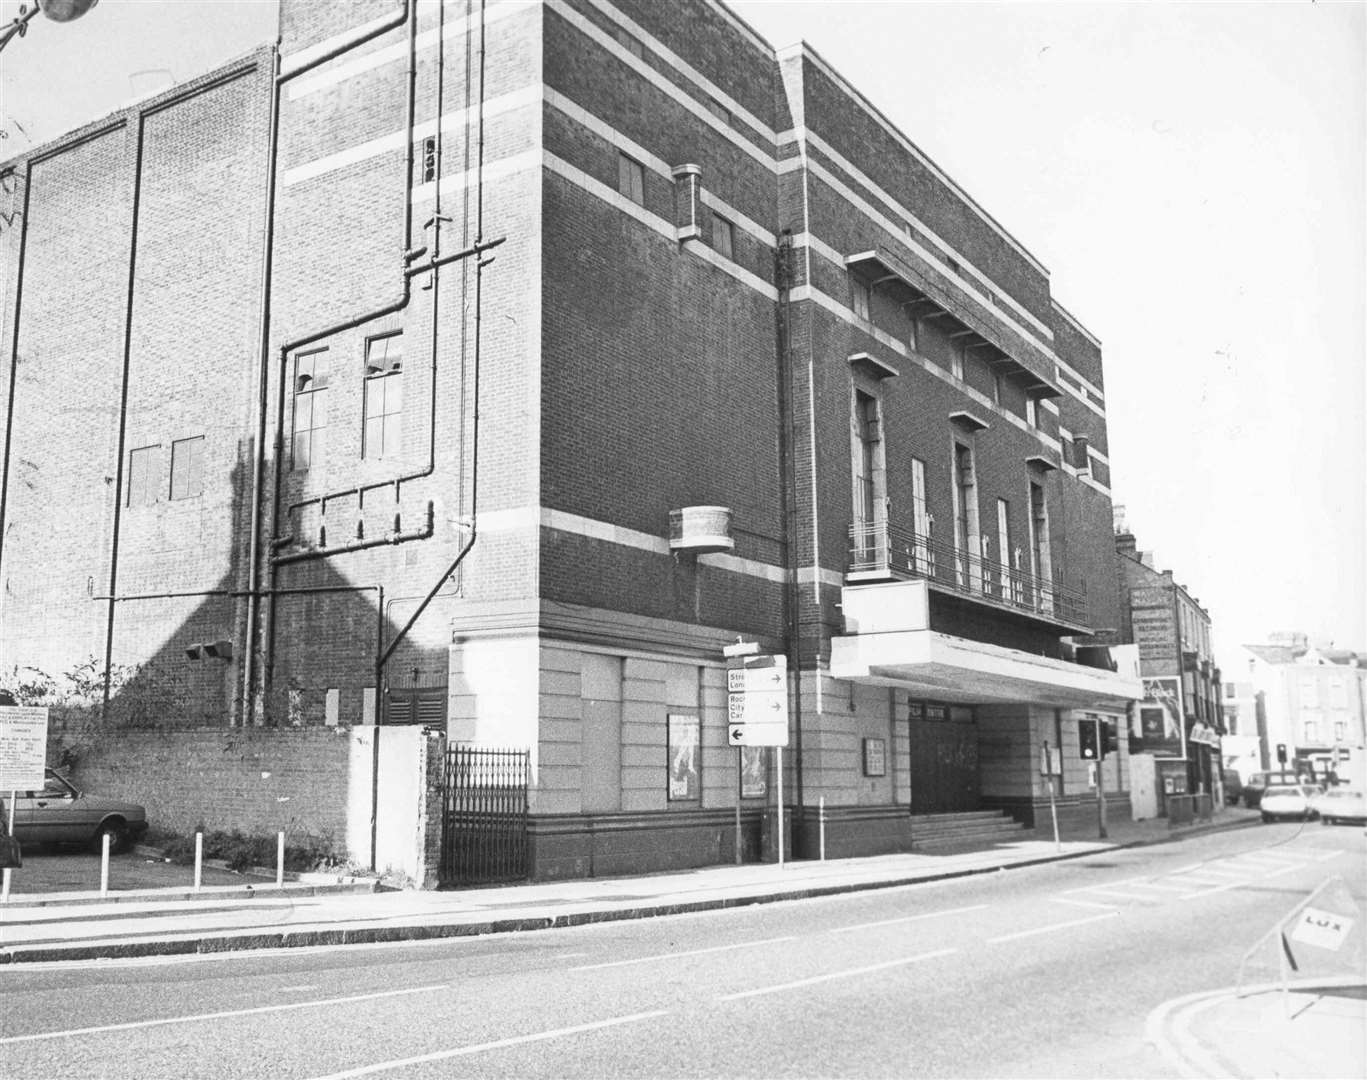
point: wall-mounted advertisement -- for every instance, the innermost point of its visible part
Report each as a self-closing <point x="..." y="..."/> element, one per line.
<point x="754" y="772"/>
<point x="684" y="757"/>
<point x="1157" y="724"/>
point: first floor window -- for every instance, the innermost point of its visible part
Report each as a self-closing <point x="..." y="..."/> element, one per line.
<point x="143" y="465"/>
<point x="383" y="434"/>
<point x="310" y="409"/>
<point x="187" y="468"/>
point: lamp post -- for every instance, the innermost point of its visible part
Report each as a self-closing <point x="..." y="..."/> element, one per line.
<point x="57" y="10"/>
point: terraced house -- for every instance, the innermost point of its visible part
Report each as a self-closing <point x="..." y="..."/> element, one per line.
<point x="492" y="366"/>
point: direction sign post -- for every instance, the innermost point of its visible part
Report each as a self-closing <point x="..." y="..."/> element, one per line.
<point x="757" y="712"/>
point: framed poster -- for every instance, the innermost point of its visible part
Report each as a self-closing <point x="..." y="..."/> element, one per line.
<point x="685" y="776"/>
<point x="1158" y="719"/>
<point x="754" y="772"/>
<point x="875" y="757"/>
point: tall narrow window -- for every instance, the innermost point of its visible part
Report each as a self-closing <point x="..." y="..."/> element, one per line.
<point x="1039" y="548"/>
<point x="310" y="409"/>
<point x="1032" y="412"/>
<point x="913" y="333"/>
<point x="859" y="297"/>
<point x="723" y="236"/>
<point x="1006" y="580"/>
<point x="187" y="468"/>
<point x="383" y="435"/>
<point x="631" y="179"/>
<point x="143" y="465"/>
<point x="967" y="545"/>
<point x="923" y="554"/>
<point x="870" y="480"/>
<point x="956" y="358"/>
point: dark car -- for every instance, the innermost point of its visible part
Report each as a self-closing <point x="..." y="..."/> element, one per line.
<point x="1233" y="787"/>
<point x="62" y="814"/>
<point x="1259" y="782"/>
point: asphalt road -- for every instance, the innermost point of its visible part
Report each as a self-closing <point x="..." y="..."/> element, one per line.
<point x="1048" y="971"/>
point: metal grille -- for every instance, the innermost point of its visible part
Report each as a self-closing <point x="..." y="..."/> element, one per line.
<point x="880" y="548"/>
<point x="484" y="816"/>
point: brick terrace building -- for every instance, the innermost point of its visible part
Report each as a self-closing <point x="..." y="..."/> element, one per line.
<point x="251" y="320"/>
<point x="1176" y="729"/>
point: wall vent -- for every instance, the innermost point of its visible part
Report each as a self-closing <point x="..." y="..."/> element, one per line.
<point x="700" y="529"/>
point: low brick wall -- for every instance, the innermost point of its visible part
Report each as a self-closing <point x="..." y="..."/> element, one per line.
<point x="310" y="782"/>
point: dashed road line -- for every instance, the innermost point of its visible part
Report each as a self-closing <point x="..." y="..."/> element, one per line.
<point x="906" y="918"/>
<point x="497" y="1044"/>
<point x="1051" y="927"/>
<point x="134" y="1025"/>
<point x="676" y="955"/>
<point x="848" y="973"/>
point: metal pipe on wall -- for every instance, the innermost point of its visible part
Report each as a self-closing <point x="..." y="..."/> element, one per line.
<point x="123" y="411"/>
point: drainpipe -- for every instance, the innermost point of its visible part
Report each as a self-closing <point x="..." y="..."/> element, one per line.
<point x="14" y="358"/>
<point x="480" y="263"/>
<point x="246" y="712"/>
<point x="123" y="413"/>
<point x="408" y="15"/>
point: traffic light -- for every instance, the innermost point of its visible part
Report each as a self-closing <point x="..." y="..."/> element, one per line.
<point x="1087" y="739"/>
<point x="1281" y="753"/>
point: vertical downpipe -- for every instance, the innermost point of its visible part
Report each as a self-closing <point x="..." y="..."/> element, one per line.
<point x="247" y="713"/>
<point x="123" y="414"/>
<point x="14" y="359"/>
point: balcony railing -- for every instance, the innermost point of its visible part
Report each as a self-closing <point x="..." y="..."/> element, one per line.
<point x="880" y="549"/>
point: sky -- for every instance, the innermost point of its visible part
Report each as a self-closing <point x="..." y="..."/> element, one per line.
<point x="1193" y="175"/>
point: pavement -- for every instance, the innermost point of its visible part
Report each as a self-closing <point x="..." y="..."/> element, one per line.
<point x="1315" y="1029"/>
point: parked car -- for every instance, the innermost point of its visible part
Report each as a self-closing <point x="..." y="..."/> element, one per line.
<point x="1342" y="804"/>
<point x="62" y="814"/>
<point x="1259" y="782"/>
<point x="1289" y="801"/>
<point x="1233" y="787"/>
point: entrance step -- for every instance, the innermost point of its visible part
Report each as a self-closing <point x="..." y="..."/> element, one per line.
<point x="967" y="830"/>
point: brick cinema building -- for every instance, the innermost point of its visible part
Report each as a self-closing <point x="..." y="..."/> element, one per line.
<point x="514" y="359"/>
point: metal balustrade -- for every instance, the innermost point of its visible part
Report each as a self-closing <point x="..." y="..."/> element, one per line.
<point x="878" y="548"/>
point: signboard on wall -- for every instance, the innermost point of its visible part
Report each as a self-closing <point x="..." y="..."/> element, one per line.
<point x="1157" y="724"/>
<point x="23" y="747"/>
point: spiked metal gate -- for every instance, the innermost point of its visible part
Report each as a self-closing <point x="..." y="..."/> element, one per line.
<point x="484" y="816"/>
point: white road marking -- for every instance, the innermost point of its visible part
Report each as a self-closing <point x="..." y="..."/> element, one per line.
<point x="1051" y="927"/>
<point x="847" y="974"/>
<point x="1100" y="891"/>
<point x="676" y="955"/>
<point x="1159" y="886"/>
<point x="136" y="1024"/>
<point x="1246" y="881"/>
<point x="497" y="1044"/>
<point x="1084" y="903"/>
<point x="906" y="918"/>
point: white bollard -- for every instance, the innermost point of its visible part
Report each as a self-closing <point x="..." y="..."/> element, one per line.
<point x="280" y="860"/>
<point x="199" y="859"/>
<point x="104" y="864"/>
<point x="821" y="821"/>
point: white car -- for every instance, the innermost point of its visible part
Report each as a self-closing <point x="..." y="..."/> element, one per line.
<point x="1342" y="804"/>
<point x="1289" y="801"/>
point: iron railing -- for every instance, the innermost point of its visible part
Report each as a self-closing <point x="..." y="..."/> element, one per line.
<point x="484" y="816"/>
<point x="877" y="547"/>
